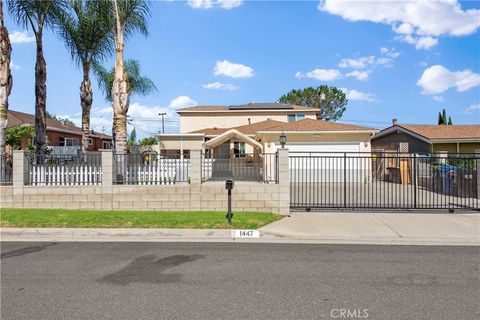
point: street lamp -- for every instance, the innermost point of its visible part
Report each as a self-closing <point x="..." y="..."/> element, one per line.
<point x="163" y="122"/>
<point x="283" y="139"/>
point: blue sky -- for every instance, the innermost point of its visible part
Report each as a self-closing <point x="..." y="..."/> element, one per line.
<point x="394" y="60"/>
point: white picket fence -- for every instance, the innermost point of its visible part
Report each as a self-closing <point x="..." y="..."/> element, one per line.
<point x="159" y="172"/>
<point x="63" y="175"/>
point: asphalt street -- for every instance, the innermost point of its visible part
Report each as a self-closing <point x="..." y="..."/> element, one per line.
<point x="238" y="281"/>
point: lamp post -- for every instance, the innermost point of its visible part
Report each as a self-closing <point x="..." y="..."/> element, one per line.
<point x="163" y="122"/>
<point x="283" y="139"/>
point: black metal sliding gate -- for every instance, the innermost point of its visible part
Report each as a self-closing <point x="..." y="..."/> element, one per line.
<point x="384" y="181"/>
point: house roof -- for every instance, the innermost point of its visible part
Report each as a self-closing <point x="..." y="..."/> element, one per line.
<point x="249" y="129"/>
<point x="435" y="132"/>
<point x="252" y="107"/>
<point x="16" y="118"/>
<point x="316" y="125"/>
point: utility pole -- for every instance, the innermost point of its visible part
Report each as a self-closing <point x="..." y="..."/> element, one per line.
<point x="163" y="122"/>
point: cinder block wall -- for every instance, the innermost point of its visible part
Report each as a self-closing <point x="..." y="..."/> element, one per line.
<point x="196" y="196"/>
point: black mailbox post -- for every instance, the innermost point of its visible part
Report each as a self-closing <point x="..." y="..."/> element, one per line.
<point x="229" y="187"/>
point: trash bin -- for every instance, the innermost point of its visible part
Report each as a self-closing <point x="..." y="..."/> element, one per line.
<point x="465" y="183"/>
<point x="447" y="176"/>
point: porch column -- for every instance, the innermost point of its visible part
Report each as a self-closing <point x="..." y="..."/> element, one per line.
<point x="283" y="181"/>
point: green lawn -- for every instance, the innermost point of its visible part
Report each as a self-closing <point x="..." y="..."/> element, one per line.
<point x="58" y="218"/>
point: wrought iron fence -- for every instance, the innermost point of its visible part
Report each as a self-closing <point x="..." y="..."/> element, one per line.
<point x="384" y="180"/>
<point x="262" y="167"/>
<point x="149" y="168"/>
<point x="60" y="170"/>
<point x="6" y="169"/>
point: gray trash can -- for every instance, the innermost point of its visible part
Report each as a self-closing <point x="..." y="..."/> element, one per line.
<point x="465" y="183"/>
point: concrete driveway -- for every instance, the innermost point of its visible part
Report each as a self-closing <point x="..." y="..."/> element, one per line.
<point x="380" y="228"/>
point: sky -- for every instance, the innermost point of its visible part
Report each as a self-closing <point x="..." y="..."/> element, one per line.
<point x="394" y="59"/>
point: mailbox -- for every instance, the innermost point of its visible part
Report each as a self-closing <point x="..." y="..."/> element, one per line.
<point x="229" y="187"/>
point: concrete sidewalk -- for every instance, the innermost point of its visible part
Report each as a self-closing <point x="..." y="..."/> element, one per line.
<point x="341" y="228"/>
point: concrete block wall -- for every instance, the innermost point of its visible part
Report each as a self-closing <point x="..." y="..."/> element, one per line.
<point x="196" y="196"/>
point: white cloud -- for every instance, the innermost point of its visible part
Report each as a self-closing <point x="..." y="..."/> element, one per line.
<point x="438" y="98"/>
<point x="232" y="70"/>
<point x="437" y="79"/>
<point x="220" y="86"/>
<point x="208" y="4"/>
<point x="355" y="95"/>
<point x="359" y="63"/>
<point x="473" y="107"/>
<point x="423" y="21"/>
<point x="320" y="74"/>
<point x="359" y="75"/>
<point x="182" y="102"/>
<point x="14" y="66"/>
<point x="19" y="37"/>
<point x="386" y="59"/>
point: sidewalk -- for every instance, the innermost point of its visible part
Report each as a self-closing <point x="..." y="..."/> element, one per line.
<point x="341" y="228"/>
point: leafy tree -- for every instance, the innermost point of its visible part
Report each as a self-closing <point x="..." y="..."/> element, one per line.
<point x="86" y="33"/>
<point x="35" y="15"/>
<point x="443" y="120"/>
<point x="126" y="17"/>
<point x="330" y="109"/>
<point x="149" y="141"/>
<point x="132" y="139"/>
<point x="20" y="137"/>
<point x="5" y="79"/>
<point x="65" y="121"/>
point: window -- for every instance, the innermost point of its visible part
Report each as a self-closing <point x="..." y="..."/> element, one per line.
<point x="68" y="142"/>
<point x="89" y="141"/>
<point x="106" y="145"/>
<point x="239" y="149"/>
<point x="295" y="117"/>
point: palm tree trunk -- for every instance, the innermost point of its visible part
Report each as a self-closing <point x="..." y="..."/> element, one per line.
<point x="5" y="81"/>
<point x="120" y="91"/>
<point x="40" y="99"/>
<point x="86" y="99"/>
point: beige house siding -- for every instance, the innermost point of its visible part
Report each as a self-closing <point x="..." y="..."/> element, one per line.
<point x="194" y="121"/>
<point x="452" y="147"/>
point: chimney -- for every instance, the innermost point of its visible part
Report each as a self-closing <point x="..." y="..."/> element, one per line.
<point x="394" y="122"/>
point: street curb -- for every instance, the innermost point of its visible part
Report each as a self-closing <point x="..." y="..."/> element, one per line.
<point x="205" y="235"/>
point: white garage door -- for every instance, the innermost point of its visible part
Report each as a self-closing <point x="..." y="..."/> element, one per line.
<point x="326" y="163"/>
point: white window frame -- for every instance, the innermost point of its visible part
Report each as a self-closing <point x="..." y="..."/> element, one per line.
<point x="66" y="141"/>
<point x="240" y="153"/>
<point x="109" y="144"/>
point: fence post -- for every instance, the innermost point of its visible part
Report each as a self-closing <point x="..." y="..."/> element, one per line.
<point x="344" y="179"/>
<point x="477" y="160"/>
<point x="18" y="178"/>
<point x="195" y="167"/>
<point x="415" y="180"/>
<point x="283" y="181"/>
<point x="107" y="168"/>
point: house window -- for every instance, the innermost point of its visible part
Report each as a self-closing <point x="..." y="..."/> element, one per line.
<point x="295" y="117"/>
<point x="106" y="145"/>
<point x="89" y="141"/>
<point x="239" y="149"/>
<point x="68" y="142"/>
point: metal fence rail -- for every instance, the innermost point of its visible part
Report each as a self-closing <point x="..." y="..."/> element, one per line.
<point x="149" y="168"/>
<point x="382" y="180"/>
<point x="261" y="167"/>
<point x="6" y="169"/>
<point x="61" y="170"/>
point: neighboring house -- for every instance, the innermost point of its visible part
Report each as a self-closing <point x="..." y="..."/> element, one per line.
<point x="60" y="135"/>
<point x="200" y="117"/>
<point x="421" y="138"/>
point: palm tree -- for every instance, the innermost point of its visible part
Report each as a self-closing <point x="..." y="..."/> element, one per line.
<point x="5" y="82"/>
<point x="127" y="17"/>
<point x="87" y="34"/>
<point x="35" y="15"/>
<point x="136" y="83"/>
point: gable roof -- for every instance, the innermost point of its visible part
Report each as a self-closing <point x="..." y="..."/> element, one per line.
<point x="252" y="107"/>
<point x="434" y="132"/>
<point x="16" y="118"/>
<point x="317" y="125"/>
<point x="249" y="129"/>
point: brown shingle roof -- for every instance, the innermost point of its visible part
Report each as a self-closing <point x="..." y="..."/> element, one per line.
<point x="16" y="118"/>
<point x="249" y="129"/>
<point x="317" y="125"/>
<point x="445" y="132"/>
